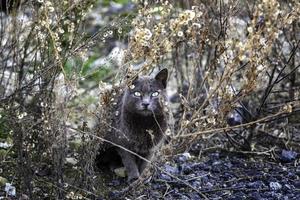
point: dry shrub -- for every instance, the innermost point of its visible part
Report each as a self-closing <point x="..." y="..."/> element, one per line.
<point x="36" y="41"/>
<point x="223" y="55"/>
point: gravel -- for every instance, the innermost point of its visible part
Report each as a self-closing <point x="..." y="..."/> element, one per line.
<point x="223" y="176"/>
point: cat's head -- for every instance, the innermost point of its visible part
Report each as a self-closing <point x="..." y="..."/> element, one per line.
<point x="146" y="95"/>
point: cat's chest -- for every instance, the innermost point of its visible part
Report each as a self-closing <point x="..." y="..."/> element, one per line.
<point x="144" y="140"/>
<point x="141" y="139"/>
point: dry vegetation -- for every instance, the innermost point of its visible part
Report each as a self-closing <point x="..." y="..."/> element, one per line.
<point x="226" y="58"/>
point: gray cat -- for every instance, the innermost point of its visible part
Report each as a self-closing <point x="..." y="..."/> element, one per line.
<point x="139" y="123"/>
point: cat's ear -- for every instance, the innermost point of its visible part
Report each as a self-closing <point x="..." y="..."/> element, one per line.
<point x="162" y="76"/>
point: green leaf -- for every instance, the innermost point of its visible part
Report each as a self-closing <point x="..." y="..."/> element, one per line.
<point x="123" y="2"/>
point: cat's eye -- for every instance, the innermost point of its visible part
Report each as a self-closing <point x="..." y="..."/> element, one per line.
<point x="154" y="94"/>
<point x="137" y="94"/>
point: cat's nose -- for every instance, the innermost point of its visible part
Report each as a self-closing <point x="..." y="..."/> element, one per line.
<point x="145" y="104"/>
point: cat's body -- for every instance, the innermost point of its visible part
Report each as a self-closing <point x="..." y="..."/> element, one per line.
<point x="139" y="121"/>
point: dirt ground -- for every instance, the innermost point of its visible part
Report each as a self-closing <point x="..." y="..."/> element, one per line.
<point x="219" y="175"/>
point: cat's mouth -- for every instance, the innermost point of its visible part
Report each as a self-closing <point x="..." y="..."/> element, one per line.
<point x="146" y="111"/>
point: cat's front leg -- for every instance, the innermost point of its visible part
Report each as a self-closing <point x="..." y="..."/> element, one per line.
<point x="130" y="164"/>
<point x="143" y="164"/>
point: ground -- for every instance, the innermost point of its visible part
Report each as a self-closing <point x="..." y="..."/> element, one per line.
<point x="219" y="175"/>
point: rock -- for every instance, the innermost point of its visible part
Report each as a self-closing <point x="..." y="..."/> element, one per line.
<point x="240" y="195"/>
<point x="275" y="186"/>
<point x="216" y="169"/>
<point x="209" y="185"/>
<point x="156" y="194"/>
<point x="184" y="157"/>
<point x="298" y="171"/>
<point x="72" y="161"/>
<point x="176" y="194"/>
<point x="196" y="184"/>
<point x="297" y="183"/>
<point x="285" y="198"/>
<point x="165" y="177"/>
<point x="287" y="188"/>
<point x="200" y="166"/>
<point x="218" y="162"/>
<point x="194" y="196"/>
<point x="114" y="194"/>
<point x="270" y="180"/>
<point x="24" y="197"/>
<point x="121" y="172"/>
<point x="255" y="196"/>
<point x="228" y="165"/>
<point x="186" y="169"/>
<point x="115" y="182"/>
<point x="10" y="189"/>
<point x="215" y="156"/>
<point x="288" y="156"/>
<point x="236" y="117"/>
<point x="170" y="169"/>
<point x="156" y="186"/>
<point x="256" y="184"/>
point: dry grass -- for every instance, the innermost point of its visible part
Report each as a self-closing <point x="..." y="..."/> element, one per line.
<point x="222" y="55"/>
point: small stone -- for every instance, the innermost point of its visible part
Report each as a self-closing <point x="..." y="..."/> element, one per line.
<point x="113" y="195"/>
<point x="115" y="182"/>
<point x="186" y="169"/>
<point x="256" y="184"/>
<point x="132" y="87"/>
<point x="121" y="172"/>
<point x="209" y="185"/>
<point x="117" y="113"/>
<point x="255" y="196"/>
<point x="287" y="187"/>
<point x="184" y="157"/>
<point x="170" y="169"/>
<point x="275" y="186"/>
<point x="240" y="195"/>
<point x="10" y="189"/>
<point x="72" y="161"/>
<point x="165" y="177"/>
<point x="285" y="198"/>
<point x="288" y="156"/>
<point x="297" y="183"/>
<point x="228" y="165"/>
<point x="198" y="166"/>
<point x="214" y="156"/>
<point x="194" y="196"/>
<point x="24" y="197"/>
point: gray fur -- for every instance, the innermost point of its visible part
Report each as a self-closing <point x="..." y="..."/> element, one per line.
<point x="140" y="121"/>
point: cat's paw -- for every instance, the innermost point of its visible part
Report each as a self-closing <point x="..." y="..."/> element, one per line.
<point x="131" y="179"/>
